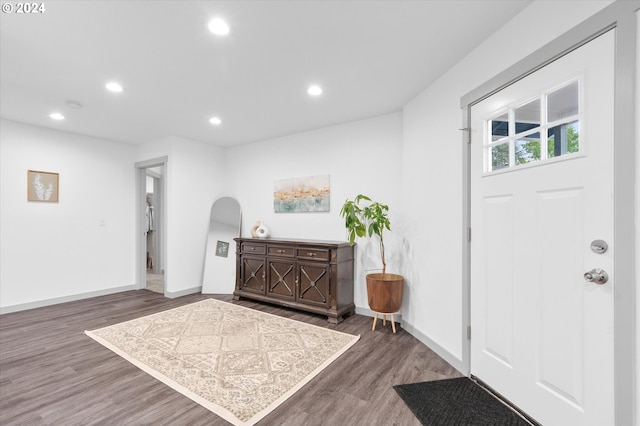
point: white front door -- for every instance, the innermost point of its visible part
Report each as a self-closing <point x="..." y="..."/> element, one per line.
<point x="541" y="193"/>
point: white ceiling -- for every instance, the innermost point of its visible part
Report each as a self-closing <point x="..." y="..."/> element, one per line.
<point x="371" y="58"/>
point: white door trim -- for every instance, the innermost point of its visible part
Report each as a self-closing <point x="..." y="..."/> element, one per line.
<point x="620" y="15"/>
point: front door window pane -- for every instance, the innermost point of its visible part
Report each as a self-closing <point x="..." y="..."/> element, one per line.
<point x="527" y="149"/>
<point x="563" y="103"/>
<point x="500" y="156"/>
<point x="500" y="127"/>
<point x="564" y="139"/>
<point x="527" y="116"/>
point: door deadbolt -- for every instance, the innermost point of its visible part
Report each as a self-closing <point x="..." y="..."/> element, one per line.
<point x="599" y="246"/>
<point x="597" y="275"/>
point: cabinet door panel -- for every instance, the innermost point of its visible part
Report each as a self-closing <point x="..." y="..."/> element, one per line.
<point x="313" y="279"/>
<point x="281" y="279"/>
<point x="253" y="274"/>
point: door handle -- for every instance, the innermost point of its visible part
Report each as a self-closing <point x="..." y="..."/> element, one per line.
<point x="597" y="275"/>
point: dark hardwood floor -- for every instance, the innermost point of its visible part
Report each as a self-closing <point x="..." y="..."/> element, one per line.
<point x="52" y="374"/>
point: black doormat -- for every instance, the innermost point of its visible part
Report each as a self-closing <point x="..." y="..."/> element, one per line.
<point x="456" y="402"/>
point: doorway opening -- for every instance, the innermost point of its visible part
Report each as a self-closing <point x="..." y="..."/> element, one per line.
<point x="153" y="230"/>
<point x="151" y="256"/>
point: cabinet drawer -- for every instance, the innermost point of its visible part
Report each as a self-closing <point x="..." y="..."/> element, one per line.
<point x="313" y="254"/>
<point x="281" y="251"/>
<point x="253" y="248"/>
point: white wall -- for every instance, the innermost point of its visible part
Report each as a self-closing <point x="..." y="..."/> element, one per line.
<point x="432" y="160"/>
<point x="195" y="178"/>
<point x="55" y="252"/>
<point x="59" y="251"/>
<point x="360" y="157"/>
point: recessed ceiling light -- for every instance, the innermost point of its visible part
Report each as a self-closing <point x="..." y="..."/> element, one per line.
<point x="56" y="116"/>
<point x="219" y="27"/>
<point x="114" y="87"/>
<point x="215" y="121"/>
<point x="314" y="90"/>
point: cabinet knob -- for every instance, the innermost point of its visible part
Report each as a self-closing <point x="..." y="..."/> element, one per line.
<point x="310" y="254"/>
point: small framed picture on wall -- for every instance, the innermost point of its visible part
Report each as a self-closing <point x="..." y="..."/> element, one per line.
<point x="42" y="186"/>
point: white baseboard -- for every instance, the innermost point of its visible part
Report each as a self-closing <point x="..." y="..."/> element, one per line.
<point x="71" y="298"/>
<point x="369" y="313"/>
<point x="175" y="294"/>
<point x="442" y="352"/>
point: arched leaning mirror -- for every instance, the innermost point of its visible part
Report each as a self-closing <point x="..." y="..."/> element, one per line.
<point x="219" y="275"/>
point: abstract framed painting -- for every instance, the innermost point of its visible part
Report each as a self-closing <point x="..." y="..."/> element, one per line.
<point x="302" y="194"/>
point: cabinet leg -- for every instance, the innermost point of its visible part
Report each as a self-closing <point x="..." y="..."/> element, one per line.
<point x="393" y="324"/>
<point x="375" y="320"/>
<point x="334" y="320"/>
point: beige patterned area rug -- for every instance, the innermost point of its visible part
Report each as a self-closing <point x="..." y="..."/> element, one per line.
<point x="237" y="362"/>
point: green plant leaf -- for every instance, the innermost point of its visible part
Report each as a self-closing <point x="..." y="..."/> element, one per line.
<point x="370" y="219"/>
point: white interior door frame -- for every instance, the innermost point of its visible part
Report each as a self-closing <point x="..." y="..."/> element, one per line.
<point x="141" y="242"/>
<point x="620" y="15"/>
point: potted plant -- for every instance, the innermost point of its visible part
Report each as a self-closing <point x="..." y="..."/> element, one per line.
<point x="366" y="218"/>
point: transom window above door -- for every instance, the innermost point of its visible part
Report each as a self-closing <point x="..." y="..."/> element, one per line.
<point x="535" y="130"/>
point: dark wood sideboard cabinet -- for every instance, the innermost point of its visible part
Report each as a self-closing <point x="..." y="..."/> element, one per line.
<point x="314" y="276"/>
